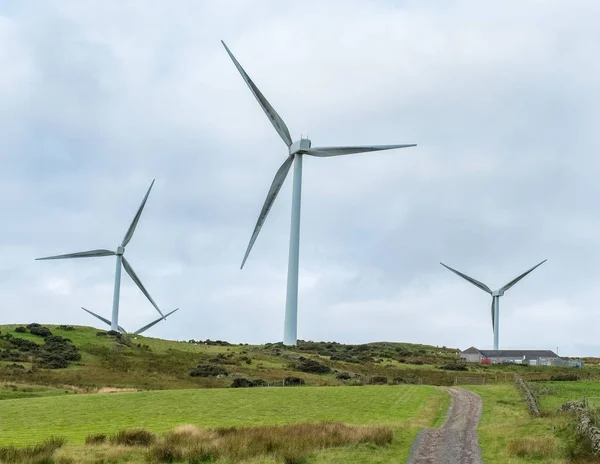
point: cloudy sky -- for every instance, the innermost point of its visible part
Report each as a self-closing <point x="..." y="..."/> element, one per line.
<point x="97" y="98"/>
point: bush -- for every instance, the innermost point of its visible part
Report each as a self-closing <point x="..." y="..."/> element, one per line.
<point x="291" y="381"/>
<point x="343" y="376"/>
<point x="133" y="437"/>
<point x="66" y="327"/>
<point x="40" y="331"/>
<point x="24" y="345"/>
<point x="53" y="361"/>
<point x="95" y="439"/>
<point x="242" y="383"/>
<point x="21" y="329"/>
<point x="38" y="454"/>
<point x="61" y="346"/>
<point x="32" y="325"/>
<point x="208" y="370"/>
<point x="454" y="367"/>
<point x="564" y="378"/>
<point x="313" y="367"/>
<point x="379" y="380"/>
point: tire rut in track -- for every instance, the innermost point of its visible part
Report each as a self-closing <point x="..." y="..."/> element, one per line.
<point x="455" y="442"/>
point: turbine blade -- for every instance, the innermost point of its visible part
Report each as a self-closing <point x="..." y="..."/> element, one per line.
<point x="106" y="321"/>
<point x="138" y="282"/>
<point x="146" y="327"/>
<point x="275" y="119"/>
<point x="121" y="329"/>
<point x="514" y="281"/>
<point x="482" y="286"/>
<point x="278" y="181"/>
<point x="136" y="218"/>
<point x="337" y="151"/>
<point x="493" y="325"/>
<point x="81" y="254"/>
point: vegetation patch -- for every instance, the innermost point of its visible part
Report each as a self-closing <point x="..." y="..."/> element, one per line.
<point x="40" y="453"/>
<point x="208" y="370"/>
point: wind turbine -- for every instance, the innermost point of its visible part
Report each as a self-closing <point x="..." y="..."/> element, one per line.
<point x="496" y="294"/>
<point x="294" y="155"/>
<point x="121" y="261"/>
<point x="122" y="330"/>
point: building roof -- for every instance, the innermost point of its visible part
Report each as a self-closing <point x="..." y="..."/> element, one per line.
<point x="519" y="353"/>
<point x="471" y="350"/>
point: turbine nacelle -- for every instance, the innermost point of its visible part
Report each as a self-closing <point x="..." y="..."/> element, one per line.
<point x="300" y="146"/>
<point x="120" y="250"/>
<point x="498" y="293"/>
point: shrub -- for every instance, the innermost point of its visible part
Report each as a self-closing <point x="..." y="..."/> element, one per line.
<point x="20" y="329"/>
<point x="454" y="367"/>
<point x="66" y="327"/>
<point x="343" y="376"/>
<point x="313" y="367"/>
<point x="291" y="381"/>
<point x="53" y="361"/>
<point x="417" y="362"/>
<point x="242" y="383"/>
<point x="62" y="347"/>
<point x="133" y="437"/>
<point x="24" y="345"/>
<point x="208" y="370"/>
<point x="379" y="380"/>
<point x="564" y="377"/>
<point x="32" y="325"/>
<point x="40" y="453"/>
<point x="40" y="331"/>
<point x="95" y="439"/>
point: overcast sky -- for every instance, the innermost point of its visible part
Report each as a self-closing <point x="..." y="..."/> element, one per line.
<point x="97" y="98"/>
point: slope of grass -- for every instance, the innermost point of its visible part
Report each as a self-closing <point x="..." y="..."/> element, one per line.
<point x="74" y="417"/>
<point x="508" y="435"/>
<point x="553" y="394"/>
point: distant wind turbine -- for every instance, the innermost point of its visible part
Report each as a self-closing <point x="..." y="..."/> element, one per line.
<point x="114" y="325"/>
<point x="295" y="151"/>
<point x="122" y="330"/>
<point x="495" y="295"/>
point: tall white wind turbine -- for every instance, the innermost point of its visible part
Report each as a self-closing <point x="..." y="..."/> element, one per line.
<point x="295" y="152"/>
<point x="496" y="294"/>
<point x="121" y="261"/>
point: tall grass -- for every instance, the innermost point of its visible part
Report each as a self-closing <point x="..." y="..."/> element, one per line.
<point x="40" y="453"/>
<point x="290" y="443"/>
<point x="534" y="447"/>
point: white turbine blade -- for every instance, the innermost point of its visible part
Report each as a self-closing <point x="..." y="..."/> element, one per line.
<point x="146" y="327"/>
<point x="81" y="254"/>
<point x="482" y="286"/>
<point x="138" y="282"/>
<point x="493" y="325"/>
<point x="133" y="225"/>
<point x="106" y="321"/>
<point x="278" y="181"/>
<point x="275" y="119"/>
<point x="337" y="151"/>
<point x="514" y="281"/>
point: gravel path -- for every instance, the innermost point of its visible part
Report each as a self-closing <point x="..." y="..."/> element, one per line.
<point x="456" y="441"/>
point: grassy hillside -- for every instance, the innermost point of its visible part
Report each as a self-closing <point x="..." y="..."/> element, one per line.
<point x="143" y="363"/>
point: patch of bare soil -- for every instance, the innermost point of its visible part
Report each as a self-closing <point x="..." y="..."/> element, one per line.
<point x="455" y="442"/>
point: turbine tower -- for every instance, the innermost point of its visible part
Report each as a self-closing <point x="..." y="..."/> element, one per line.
<point x="495" y="295"/>
<point x="121" y="261"/>
<point x="296" y="150"/>
<point x="122" y="330"/>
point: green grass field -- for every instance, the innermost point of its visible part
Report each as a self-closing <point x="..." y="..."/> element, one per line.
<point x="508" y="435"/>
<point x="553" y="394"/>
<point x="25" y="421"/>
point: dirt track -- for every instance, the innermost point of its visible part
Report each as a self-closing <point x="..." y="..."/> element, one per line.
<point x="456" y="441"/>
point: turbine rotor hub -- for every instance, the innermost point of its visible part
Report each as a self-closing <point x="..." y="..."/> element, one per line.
<point x="120" y="251"/>
<point x="300" y="146"/>
<point x="498" y="293"/>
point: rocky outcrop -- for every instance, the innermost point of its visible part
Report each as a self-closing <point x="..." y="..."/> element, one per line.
<point x="585" y="425"/>
<point x="530" y="398"/>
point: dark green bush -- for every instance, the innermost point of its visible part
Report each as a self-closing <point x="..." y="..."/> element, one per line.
<point x="564" y="377"/>
<point x="66" y="327"/>
<point x="379" y="380"/>
<point x="40" y="331"/>
<point x="20" y="329"/>
<point x="53" y="361"/>
<point x="292" y="381"/>
<point x="208" y="370"/>
<point x="313" y="367"/>
<point x="454" y="367"/>
<point x="242" y="383"/>
<point x="343" y="376"/>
